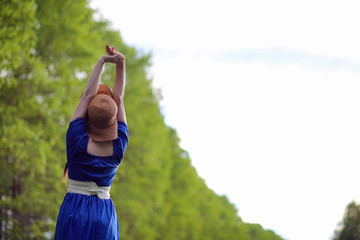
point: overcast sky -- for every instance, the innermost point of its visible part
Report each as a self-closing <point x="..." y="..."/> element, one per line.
<point x="265" y="98"/>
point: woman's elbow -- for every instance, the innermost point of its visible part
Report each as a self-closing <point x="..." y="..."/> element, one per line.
<point x="119" y="99"/>
<point x="88" y="96"/>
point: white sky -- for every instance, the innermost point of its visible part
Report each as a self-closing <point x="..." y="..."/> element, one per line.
<point x="265" y="97"/>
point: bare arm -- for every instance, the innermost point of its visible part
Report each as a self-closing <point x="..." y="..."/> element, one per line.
<point x="92" y="86"/>
<point x="119" y="90"/>
<point x="119" y="84"/>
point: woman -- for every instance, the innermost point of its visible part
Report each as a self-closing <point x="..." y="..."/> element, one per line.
<point x="95" y="143"/>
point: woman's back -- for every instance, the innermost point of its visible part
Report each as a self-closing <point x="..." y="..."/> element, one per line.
<point x="102" y="149"/>
<point x="87" y="161"/>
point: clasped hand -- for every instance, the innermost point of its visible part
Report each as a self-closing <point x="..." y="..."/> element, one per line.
<point x="114" y="56"/>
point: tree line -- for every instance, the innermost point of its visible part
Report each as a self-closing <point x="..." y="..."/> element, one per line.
<point x="47" y="51"/>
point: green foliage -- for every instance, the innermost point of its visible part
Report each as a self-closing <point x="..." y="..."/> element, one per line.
<point x="47" y="48"/>
<point x="349" y="228"/>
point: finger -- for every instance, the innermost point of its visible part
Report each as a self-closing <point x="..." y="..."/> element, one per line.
<point x="109" y="50"/>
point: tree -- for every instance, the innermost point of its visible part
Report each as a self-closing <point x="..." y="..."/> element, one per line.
<point x="38" y="63"/>
<point x="349" y="228"/>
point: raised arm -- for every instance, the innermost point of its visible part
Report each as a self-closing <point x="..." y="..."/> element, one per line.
<point x="92" y="85"/>
<point x="119" y="84"/>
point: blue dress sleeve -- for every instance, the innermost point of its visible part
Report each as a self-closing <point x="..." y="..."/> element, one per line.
<point x="76" y="130"/>
<point x="121" y="141"/>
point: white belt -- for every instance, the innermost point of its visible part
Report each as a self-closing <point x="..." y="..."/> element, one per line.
<point x="88" y="188"/>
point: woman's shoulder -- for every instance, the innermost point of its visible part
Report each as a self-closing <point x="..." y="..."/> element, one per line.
<point x="76" y="129"/>
<point x="123" y="131"/>
<point x="77" y="120"/>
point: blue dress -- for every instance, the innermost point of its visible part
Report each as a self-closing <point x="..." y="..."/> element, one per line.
<point x="82" y="216"/>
